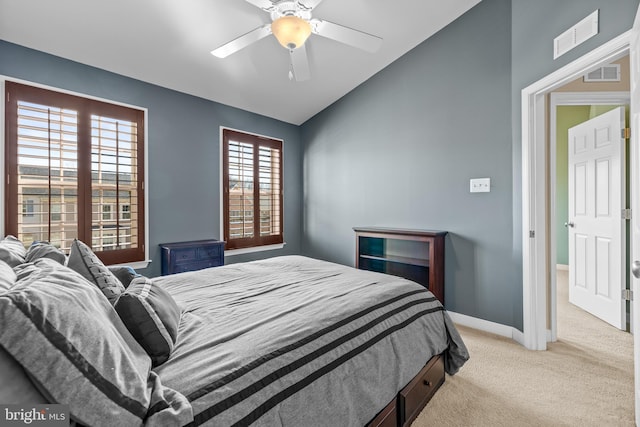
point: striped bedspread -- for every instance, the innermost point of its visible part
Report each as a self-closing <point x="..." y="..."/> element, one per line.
<point x="293" y="341"/>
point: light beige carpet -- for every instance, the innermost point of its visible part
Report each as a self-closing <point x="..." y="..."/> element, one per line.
<point x="583" y="379"/>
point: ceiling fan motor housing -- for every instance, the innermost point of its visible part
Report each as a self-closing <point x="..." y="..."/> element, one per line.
<point x="290" y="8"/>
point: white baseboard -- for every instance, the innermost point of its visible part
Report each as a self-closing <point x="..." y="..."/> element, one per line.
<point x="563" y="267"/>
<point x="488" y="326"/>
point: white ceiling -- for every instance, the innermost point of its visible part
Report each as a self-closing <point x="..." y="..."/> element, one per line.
<point x="168" y="43"/>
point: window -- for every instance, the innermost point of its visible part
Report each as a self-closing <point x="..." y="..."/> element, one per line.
<point x="252" y="190"/>
<point x="106" y="212"/>
<point x="56" y="215"/>
<point x="125" y="212"/>
<point x="27" y="208"/>
<point x="72" y="163"/>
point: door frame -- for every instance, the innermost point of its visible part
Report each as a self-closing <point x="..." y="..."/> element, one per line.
<point x="535" y="227"/>
<point x="566" y="99"/>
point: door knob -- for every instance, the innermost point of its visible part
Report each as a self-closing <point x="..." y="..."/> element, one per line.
<point x="635" y="269"/>
<point x="569" y="224"/>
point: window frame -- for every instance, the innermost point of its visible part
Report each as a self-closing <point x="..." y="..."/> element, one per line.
<point x="135" y="257"/>
<point x="256" y="243"/>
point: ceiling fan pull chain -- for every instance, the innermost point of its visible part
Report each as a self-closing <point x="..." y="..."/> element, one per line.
<point x="291" y="66"/>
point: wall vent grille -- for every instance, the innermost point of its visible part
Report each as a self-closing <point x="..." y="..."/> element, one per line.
<point x="607" y="73"/>
<point x="576" y="35"/>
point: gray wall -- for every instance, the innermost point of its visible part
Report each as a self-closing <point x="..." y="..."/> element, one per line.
<point x="183" y="148"/>
<point x="400" y="149"/>
<point x="399" y="152"/>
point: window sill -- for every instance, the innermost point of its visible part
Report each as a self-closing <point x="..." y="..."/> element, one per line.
<point x="233" y="252"/>
<point x="135" y="265"/>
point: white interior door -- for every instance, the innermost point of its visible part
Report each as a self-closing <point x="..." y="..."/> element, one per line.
<point x="596" y="226"/>
<point x="635" y="201"/>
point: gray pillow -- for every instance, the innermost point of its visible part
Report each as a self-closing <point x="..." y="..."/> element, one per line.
<point x="70" y="340"/>
<point x="84" y="261"/>
<point x="152" y="316"/>
<point x="39" y="250"/>
<point x="124" y="274"/>
<point x="23" y="270"/>
<point x="12" y="251"/>
<point x="16" y="386"/>
<point x="7" y="278"/>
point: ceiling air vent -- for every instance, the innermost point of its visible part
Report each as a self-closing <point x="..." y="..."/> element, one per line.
<point x="576" y="35"/>
<point x="606" y="73"/>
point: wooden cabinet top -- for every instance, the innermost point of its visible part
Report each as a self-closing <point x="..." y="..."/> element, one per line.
<point x="401" y="231"/>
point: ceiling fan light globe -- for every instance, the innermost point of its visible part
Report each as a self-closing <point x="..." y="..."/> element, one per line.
<point x="291" y="31"/>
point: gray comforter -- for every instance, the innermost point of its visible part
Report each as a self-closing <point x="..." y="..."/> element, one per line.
<point x="292" y="341"/>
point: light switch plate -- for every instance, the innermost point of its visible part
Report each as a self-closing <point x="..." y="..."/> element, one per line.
<point x="480" y="185"/>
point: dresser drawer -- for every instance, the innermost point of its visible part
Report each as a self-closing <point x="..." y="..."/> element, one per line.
<point x="180" y="256"/>
<point x="208" y="252"/>
<point x="193" y="266"/>
<point x="419" y="391"/>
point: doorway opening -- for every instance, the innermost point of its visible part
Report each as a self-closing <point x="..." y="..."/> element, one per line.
<point x="567" y="109"/>
<point x="535" y="223"/>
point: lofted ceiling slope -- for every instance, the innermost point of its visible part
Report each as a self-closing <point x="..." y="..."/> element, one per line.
<point x="168" y="43"/>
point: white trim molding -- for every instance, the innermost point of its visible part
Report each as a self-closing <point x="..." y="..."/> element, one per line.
<point x="589" y="98"/>
<point x="534" y="180"/>
<point x="487" y="326"/>
<point x="252" y="249"/>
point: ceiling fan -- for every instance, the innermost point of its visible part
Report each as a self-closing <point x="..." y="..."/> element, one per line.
<point x="292" y="25"/>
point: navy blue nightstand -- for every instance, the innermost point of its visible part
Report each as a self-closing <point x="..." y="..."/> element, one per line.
<point x="190" y="256"/>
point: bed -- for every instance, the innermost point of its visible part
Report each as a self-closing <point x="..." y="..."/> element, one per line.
<point x="286" y="341"/>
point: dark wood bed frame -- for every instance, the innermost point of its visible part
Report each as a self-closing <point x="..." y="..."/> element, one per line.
<point x="406" y="406"/>
<point x="408" y="403"/>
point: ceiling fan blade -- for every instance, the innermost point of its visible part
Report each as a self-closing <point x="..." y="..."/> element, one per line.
<point x="310" y="4"/>
<point x="262" y="4"/>
<point x="346" y="35"/>
<point x="300" y="64"/>
<point x="242" y="41"/>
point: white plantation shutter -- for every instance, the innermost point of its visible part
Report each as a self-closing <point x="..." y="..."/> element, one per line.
<point x="241" y="190"/>
<point x="47" y="178"/>
<point x="252" y="190"/>
<point x="269" y="191"/>
<point x="114" y="183"/>
<point x="75" y="170"/>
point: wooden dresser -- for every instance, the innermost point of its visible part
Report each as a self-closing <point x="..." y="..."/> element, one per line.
<point x="190" y="256"/>
<point x="416" y="255"/>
